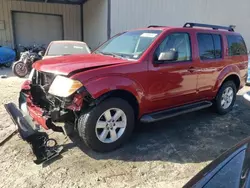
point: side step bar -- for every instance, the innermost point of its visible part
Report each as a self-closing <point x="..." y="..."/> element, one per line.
<point x="43" y="147"/>
<point x="161" y="115"/>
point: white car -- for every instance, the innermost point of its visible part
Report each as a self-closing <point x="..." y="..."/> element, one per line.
<point x="66" y="47"/>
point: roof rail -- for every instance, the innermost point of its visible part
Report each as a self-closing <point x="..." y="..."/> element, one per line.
<point x="155" y="26"/>
<point x="215" y="27"/>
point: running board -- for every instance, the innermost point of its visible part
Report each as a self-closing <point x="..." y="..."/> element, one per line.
<point x="161" y="115"/>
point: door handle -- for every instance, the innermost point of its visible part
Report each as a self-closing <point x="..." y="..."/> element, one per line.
<point x="191" y="69"/>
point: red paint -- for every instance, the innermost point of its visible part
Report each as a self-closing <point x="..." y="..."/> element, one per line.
<point x="26" y="85"/>
<point x="66" y="64"/>
<point x="155" y="86"/>
<point x="36" y="114"/>
<point x="77" y="103"/>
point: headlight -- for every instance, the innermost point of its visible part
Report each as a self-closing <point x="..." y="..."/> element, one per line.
<point x="64" y="87"/>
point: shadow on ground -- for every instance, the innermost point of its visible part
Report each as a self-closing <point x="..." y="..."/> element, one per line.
<point x="6" y="71"/>
<point x="190" y="138"/>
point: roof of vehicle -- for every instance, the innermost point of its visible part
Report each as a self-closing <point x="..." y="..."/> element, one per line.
<point x="196" y="27"/>
<point x="67" y="41"/>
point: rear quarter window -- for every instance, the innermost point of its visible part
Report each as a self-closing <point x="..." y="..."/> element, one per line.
<point x="236" y="45"/>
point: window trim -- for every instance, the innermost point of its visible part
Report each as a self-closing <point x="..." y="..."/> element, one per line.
<point x="222" y="46"/>
<point x="229" y="47"/>
<point x="182" y="61"/>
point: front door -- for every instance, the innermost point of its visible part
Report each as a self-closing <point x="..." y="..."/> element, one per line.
<point x="172" y="83"/>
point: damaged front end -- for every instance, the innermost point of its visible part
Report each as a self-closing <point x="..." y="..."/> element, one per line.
<point x="42" y="146"/>
<point x="39" y="107"/>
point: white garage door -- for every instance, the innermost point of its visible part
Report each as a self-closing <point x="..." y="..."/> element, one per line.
<point x="38" y="29"/>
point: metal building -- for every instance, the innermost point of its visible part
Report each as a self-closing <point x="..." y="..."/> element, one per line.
<point x="25" y="22"/>
<point x="126" y="14"/>
<point x="94" y="21"/>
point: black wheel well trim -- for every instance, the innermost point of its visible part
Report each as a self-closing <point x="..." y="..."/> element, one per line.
<point x="233" y="77"/>
<point x="119" y="93"/>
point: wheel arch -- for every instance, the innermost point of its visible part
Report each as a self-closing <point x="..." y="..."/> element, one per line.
<point x="233" y="77"/>
<point x="123" y="94"/>
<point x="228" y="73"/>
<point x="118" y="86"/>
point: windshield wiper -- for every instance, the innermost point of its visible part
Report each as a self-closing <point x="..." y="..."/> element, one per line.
<point x="109" y="53"/>
<point x="112" y="54"/>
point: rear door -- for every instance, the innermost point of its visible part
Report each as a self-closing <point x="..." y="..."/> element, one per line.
<point x="210" y="55"/>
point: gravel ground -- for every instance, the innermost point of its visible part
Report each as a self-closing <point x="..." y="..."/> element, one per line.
<point x="164" y="154"/>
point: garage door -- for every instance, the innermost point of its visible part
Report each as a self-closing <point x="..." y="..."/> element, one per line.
<point x="39" y="29"/>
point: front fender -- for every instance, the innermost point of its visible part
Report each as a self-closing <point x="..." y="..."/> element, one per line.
<point x="99" y="86"/>
<point x="225" y="73"/>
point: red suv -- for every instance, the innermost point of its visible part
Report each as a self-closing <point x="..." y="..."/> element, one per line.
<point x="147" y="74"/>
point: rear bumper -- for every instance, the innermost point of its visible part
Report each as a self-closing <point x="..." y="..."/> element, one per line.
<point x="37" y="140"/>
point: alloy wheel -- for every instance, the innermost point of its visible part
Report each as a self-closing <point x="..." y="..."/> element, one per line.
<point x="227" y="97"/>
<point x="111" y="125"/>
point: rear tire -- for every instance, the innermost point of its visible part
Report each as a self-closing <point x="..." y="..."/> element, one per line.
<point x="108" y="125"/>
<point x="225" y="98"/>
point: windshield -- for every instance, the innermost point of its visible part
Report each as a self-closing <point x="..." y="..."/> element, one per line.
<point x="57" y="49"/>
<point x="131" y="44"/>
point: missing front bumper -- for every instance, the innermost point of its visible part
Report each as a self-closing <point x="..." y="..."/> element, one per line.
<point x="43" y="148"/>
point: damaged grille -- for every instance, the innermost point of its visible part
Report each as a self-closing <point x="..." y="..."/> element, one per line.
<point x="47" y="78"/>
<point x="52" y="106"/>
<point x="41" y="82"/>
<point x="42" y="78"/>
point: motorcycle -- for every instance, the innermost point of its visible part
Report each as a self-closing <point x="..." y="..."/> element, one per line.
<point x="7" y="56"/>
<point x="23" y="66"/>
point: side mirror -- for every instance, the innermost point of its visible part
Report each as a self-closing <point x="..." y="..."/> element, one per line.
<point x="41" y="53"/>
<point x="168" y="56"/>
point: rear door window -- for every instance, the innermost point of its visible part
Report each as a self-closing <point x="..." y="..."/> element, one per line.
<point x="236" y="45"/>
<point x="206" y="46"/>
<point x="210" y="46"/>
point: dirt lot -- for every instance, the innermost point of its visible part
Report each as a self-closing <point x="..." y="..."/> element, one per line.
<point x="164" y="154"/>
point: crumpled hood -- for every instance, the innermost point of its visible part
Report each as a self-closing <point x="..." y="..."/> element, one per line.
<point x="67" y="64"/>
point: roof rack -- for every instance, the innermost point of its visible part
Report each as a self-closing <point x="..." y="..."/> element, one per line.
<point x="155" y="26"/>
<point x="215" y="27"/>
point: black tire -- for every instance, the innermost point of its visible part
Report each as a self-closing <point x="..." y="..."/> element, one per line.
<point x="15" y="68"/>
<point x="87" y="122"/>
<point x="218" y="99"/>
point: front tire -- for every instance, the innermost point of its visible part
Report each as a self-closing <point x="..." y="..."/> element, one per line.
<point x="20" y="69"/>
<point x="225" y="98"/>
<point x="108" y="125"/>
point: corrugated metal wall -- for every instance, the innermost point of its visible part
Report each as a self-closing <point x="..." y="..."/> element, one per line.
<point x="95" y="17"/>
<point x="140" y="13"/>
<point x="71" y="17"/>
